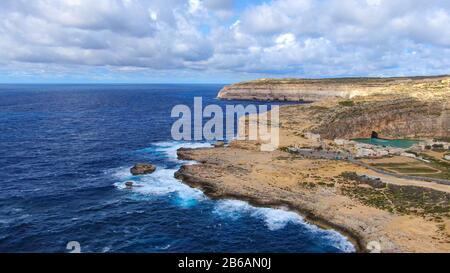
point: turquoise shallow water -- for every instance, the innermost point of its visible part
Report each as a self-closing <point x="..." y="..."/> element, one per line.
<point x="398" y="143"/>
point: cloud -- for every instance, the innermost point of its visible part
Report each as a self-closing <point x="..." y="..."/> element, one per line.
<point x="224" y="37"/>
<point x="118" y="33"/>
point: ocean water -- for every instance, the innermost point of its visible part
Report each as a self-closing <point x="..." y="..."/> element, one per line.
<point x="65" y="153"/>
<point x="398" y="143"/>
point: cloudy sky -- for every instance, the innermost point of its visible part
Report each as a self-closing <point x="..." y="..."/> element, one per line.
<point x="220" y="40"/>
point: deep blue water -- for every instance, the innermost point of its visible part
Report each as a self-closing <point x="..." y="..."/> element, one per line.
<point x="65" y="151"/>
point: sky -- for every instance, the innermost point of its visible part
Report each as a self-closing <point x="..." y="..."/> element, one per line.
<point x="220" y="41"/>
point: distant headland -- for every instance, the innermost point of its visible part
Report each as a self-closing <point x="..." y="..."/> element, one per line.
<point x="292" y="89"/>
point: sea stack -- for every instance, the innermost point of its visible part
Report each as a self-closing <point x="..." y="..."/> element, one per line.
<point x="142" y="168"/>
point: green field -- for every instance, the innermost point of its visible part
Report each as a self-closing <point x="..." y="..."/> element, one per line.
<point x="414" y="170"/>
<point x="434" y="169"/>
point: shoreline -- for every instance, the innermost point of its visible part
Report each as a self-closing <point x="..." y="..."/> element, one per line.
<point x="211" y="191"/>
<point x="317" y="190"/>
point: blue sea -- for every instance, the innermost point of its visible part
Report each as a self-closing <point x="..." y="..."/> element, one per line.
<point x="65" y="153"/>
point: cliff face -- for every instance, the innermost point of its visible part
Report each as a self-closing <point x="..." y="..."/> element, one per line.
<point x="281" y="92"/>
<point x="401" y="118"/>
<point x="353" y="108"/>
<point x="316" y="90"/>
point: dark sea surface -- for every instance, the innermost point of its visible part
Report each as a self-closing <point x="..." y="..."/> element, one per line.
<point x="65" y="153"/>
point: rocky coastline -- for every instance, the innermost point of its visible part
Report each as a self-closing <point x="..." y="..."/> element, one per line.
<point x="210" y="190"/>
<point x="399" y="214"/>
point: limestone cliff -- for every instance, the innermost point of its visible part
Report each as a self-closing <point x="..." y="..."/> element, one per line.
<point x="318" y="89"/>
<point x="351" y="108"/>
<point x="401" y="118"/>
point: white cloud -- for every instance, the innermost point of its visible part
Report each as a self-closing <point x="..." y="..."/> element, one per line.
<point x="373" y="2"/>
<point x="195" y="6"/>
<point x="285" y="40"/>
<point x="280" y="37"/>
<point x="153" y="15"/>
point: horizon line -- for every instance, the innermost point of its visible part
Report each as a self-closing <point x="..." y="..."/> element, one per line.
<point x="219" y="83"/>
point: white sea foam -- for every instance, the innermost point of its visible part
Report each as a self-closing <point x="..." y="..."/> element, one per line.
<point x="164" y="247"/>
<point x="106" y="249"/>
<point x="231" y="208"/>
<point x="339" y="241"/>
<point x="276" y="219"/>
<point x="162" y="181"/>
<point x="169" y="148"/>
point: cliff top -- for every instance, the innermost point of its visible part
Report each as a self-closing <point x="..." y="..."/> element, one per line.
<point x="382" y="81"/>
<point x="420" y="87"/>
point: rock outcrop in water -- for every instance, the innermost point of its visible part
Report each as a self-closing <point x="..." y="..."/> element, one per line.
<point x="142" y="168"/>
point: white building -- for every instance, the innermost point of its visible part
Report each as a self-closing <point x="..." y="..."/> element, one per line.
<point x="408" y="155"/>
<point x="364" y="152"/>
<point x="312" y="136"/>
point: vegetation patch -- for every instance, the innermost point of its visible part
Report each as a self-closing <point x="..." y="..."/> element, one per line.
<point x="308" y="185"/>
<point x="284" y="149"/>
<point x="435" y="169"/>
<point x="414" y="170"/>
<point x="406" y="200"/>
<point x="443" y="139"/>
<point x="325" y="184"/>
<point x="443" y="166"/>
<point x="347" y="103"/>
<point x="389" y="165"/>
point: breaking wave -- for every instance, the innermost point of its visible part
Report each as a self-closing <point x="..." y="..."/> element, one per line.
<point x="276" y="219"/>
<point x="162" y="181"/>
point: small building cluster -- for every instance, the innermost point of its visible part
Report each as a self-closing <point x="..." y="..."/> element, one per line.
<point x="432" y="145"/>
<point x="343" y="148"/>
<point x="363" y="150"/>
<point x="367" y="150"/>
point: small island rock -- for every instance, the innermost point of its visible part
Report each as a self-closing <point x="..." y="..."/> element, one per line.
<point x="129" y="184"/>
<point x="142" y="168"/>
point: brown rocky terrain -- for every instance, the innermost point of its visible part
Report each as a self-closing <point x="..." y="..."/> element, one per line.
<point x="404" y="117"/>
<point x="396" y="218"/>
<point x="414" y="108"/>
